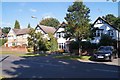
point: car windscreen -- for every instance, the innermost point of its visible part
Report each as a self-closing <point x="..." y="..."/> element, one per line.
<point x="105" y="49"/>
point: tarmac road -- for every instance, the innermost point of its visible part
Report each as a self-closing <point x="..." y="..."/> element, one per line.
<point x="47" y="67"/>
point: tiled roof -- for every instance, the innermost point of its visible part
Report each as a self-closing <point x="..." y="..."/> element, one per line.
<point x="21" y="31"/>
<point x="47" y="29"/>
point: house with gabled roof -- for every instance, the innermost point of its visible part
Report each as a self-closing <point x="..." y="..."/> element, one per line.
<point x="60" y="35"/>
<point x="101" y="26"/>
<point x="17" y="37"/>
<point x="45" y="30"/>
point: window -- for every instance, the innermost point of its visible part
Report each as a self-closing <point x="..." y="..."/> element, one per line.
<point x="99" y="22"/>
<point x="111" y="33"/>
<point x="99" y="33"/>
<point x="60" y="34"/>
<point x="61" y="45"/>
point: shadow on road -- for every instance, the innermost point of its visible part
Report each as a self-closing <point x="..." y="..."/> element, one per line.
<point x="47" y="67"/>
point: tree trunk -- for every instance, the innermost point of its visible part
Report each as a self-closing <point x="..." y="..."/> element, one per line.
<point x="79" y="47"/>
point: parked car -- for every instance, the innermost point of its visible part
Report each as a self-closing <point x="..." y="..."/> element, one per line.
<point x="105" y="53"/>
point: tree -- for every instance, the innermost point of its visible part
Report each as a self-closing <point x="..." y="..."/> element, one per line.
<point x="6" y="30"/>
<point x="29" y="25"/>
<point x="78" y="22"/>
<point x="117" y="23"/>
<point x="36" y="41"/>
<point x="110" y="18"/>
<point x="53" y="22"/>
<point x="53" y="45"/>
<point x="17" y="25"/>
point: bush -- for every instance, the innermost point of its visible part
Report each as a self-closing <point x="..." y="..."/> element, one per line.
<point x="106" y="40"/>
<point x="74" y="45"/>
<point x="61" y="51"/>
<point x="86" y="45"/>
<point x="30" y="49"/>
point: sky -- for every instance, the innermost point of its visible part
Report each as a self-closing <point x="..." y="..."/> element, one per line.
<point x="22" y="11"/>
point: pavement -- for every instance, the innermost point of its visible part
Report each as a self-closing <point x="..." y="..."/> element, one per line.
<point x="47" y="67"/>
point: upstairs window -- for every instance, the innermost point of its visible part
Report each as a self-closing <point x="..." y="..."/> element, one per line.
<point x="99" y="33"/>
<point x="60" y="34"/>
<point x="110" y="33"/>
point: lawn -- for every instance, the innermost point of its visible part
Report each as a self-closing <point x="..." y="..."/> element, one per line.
<point x="11" y="53"/>
<point x="33" y="55"/>
<point x="21" y="54"/>
<point x="73" y="57"/>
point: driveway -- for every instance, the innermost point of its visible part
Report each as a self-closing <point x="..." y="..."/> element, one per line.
<point x="47" y="67"/>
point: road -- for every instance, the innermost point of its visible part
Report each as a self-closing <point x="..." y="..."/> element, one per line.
<point x="47" y="67"/>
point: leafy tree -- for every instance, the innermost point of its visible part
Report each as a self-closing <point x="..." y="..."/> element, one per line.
<point x="78" y="22"/>
<point x="110" y="18"/>
<point x="6" y="30"/>
<point x="53" y="22"/>
<point x="31" y="38"/>
<point x="53" y="43"/>
<point x="29" y="25"/>
<point x="117" y="23"/>
<point x="36" y="41"/>
<point x="17" y="25"/>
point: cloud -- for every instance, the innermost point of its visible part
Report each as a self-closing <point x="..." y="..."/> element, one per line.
<point x="33" y="10"/>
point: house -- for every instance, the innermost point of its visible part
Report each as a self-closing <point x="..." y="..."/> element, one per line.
<point x="101" y="26"/>
<point x="45" y="30"/>
<point x="60" y="35"/>
<point x="17" y="37"/>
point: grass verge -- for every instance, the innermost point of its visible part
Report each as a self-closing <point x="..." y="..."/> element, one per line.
<point x="33" y="55"/>
<point x="73" y="57"/>
<point x="11" y="53"/>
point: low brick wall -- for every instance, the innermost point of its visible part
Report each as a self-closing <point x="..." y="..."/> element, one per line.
<point x="14" y="49"/>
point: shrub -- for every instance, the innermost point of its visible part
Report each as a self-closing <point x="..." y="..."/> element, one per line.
<point x="30" y="49"/>
<point x="106" y="40"/>
<point x="61" y="51"/>
<point x="74" y="45"/>
<point x="86" y="45"/>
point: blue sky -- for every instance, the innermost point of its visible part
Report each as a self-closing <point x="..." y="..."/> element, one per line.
<point x="22" y="11"/>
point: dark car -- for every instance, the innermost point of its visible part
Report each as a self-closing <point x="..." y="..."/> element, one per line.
<point x="105" y="53"/>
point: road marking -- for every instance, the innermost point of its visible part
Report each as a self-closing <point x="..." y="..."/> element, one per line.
<point x="4" y="58"/>
<point x="63" y="62"/>
<point x="106" y="70"/>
